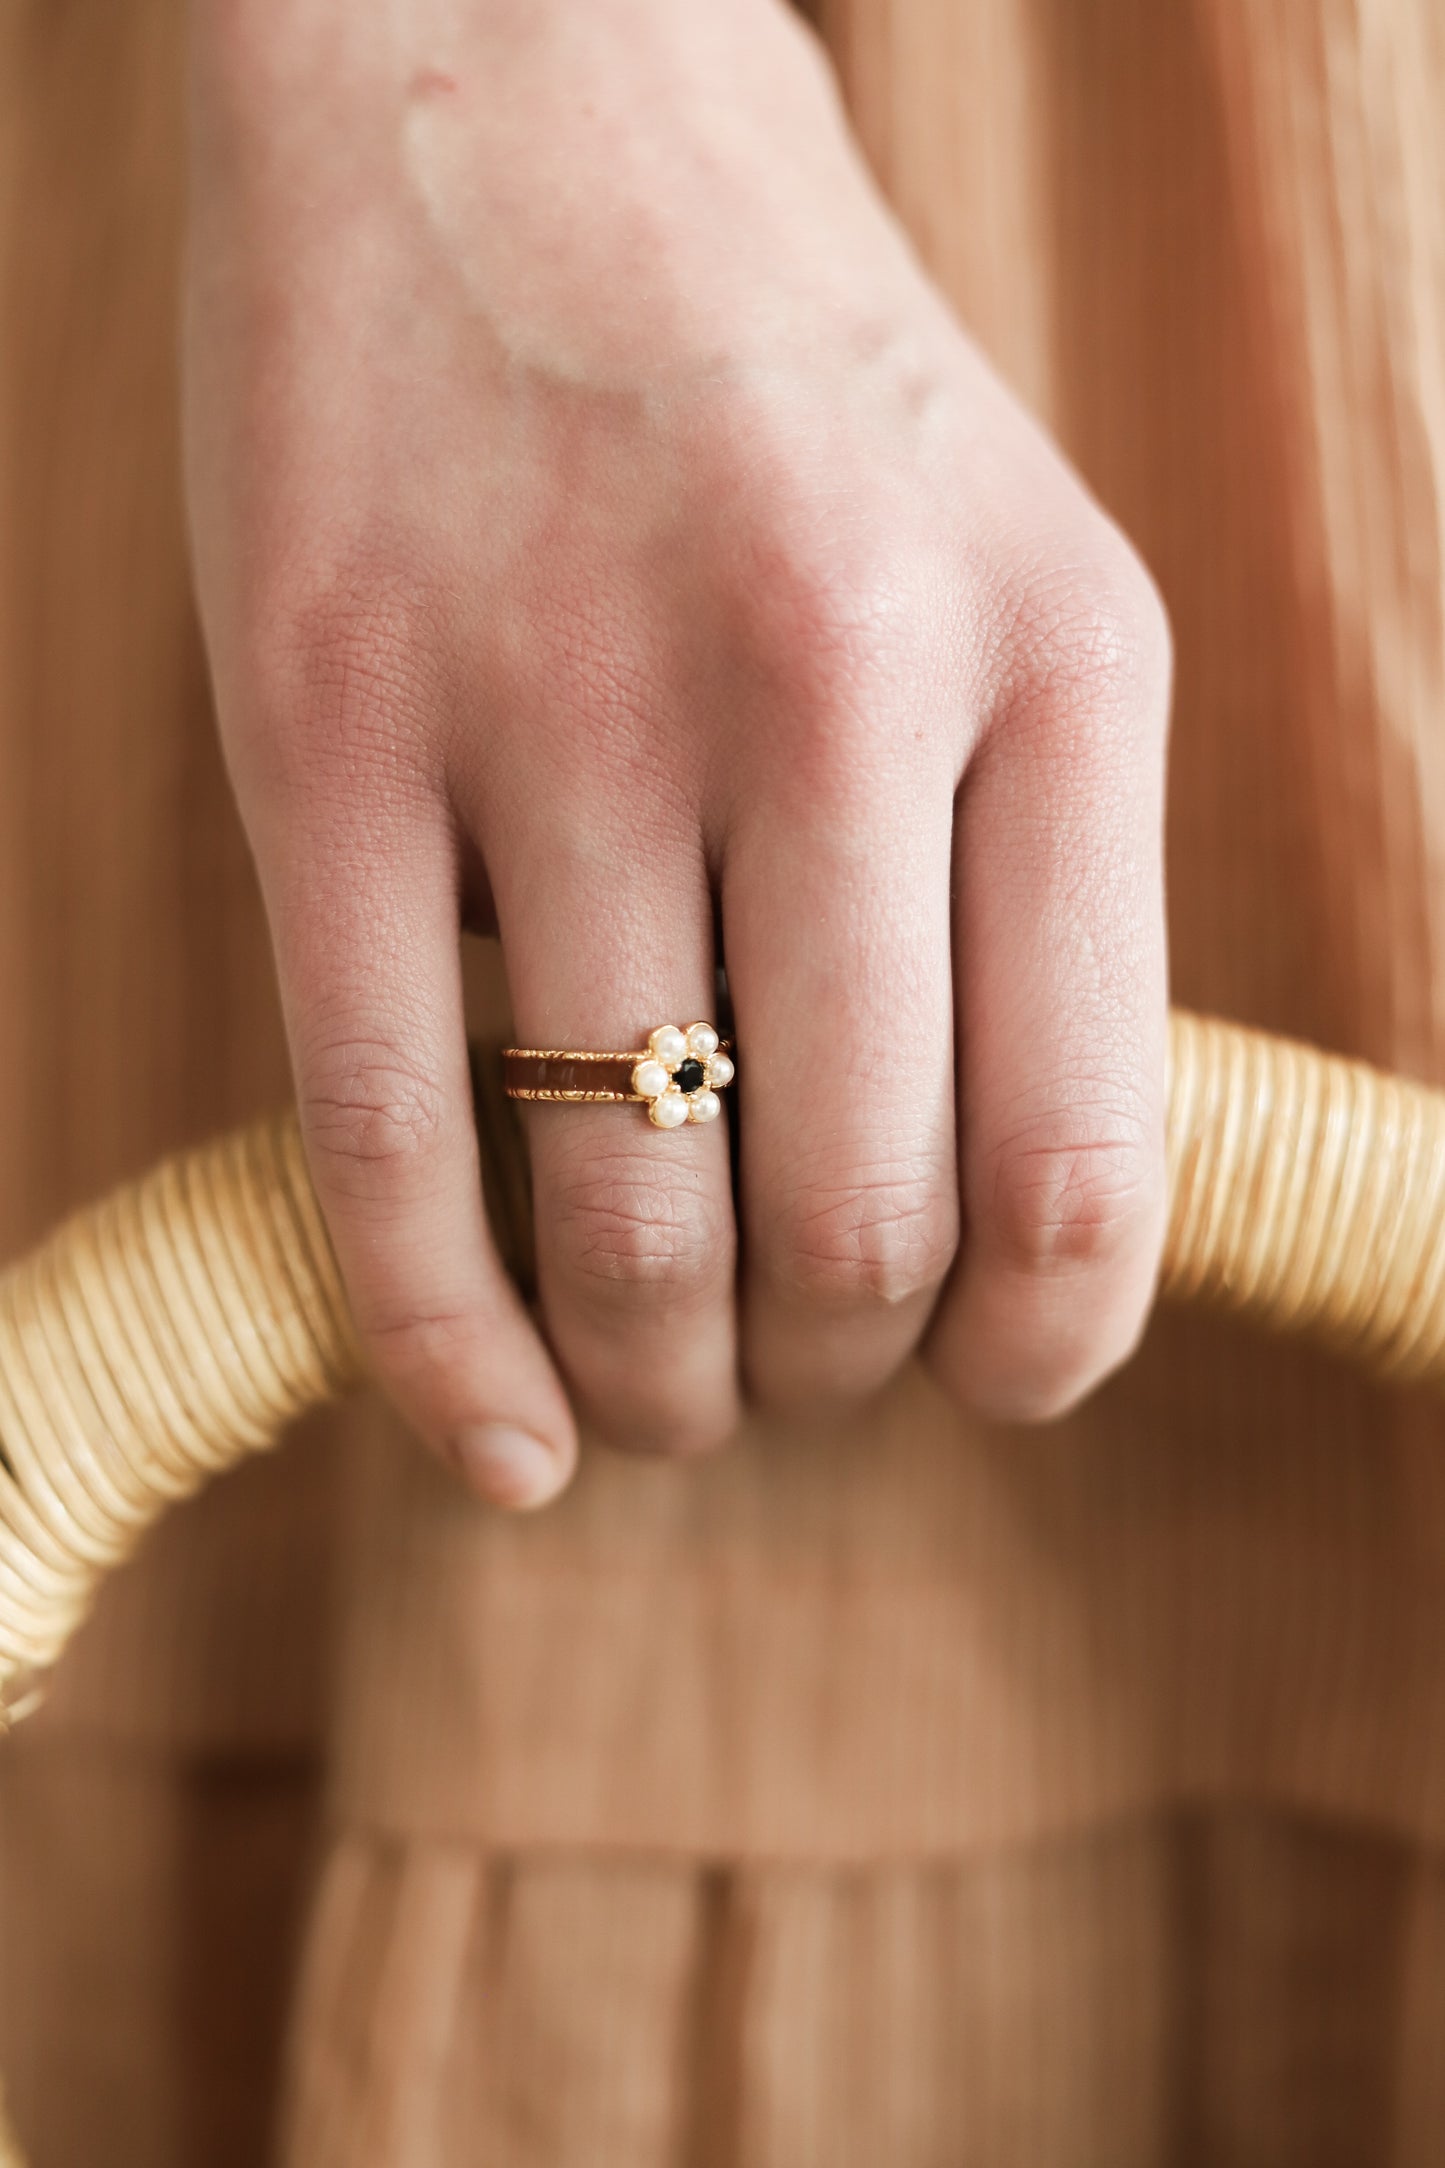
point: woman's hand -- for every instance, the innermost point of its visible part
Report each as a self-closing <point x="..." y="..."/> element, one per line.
<point x="602" y="528"/>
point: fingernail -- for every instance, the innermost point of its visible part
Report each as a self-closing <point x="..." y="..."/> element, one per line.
<point x="509" y="1467"/>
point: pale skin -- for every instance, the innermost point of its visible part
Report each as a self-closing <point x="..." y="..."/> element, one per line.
<point x="605" y="533"/>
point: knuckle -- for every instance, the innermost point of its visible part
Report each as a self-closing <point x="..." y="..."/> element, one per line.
<point x="836" y="632"/>
<point x="626" y="1231"/>
<point x="594" y="655"/>
<point x="1095" y="631"/>
<point x="1076" y="1191"/>
<point x="828" y="609"/>
<point x="881" y="1239"/>
<point x="370" y="1113"/>
<point x="347" y="665"/>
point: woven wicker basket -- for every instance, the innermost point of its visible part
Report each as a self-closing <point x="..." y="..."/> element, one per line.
<point x="181" y="1324"/>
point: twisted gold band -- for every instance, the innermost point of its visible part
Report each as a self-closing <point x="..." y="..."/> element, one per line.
<point x="573" y="1098"/>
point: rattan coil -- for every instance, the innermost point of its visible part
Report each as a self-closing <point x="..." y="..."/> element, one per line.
<point x="182" y="1323"/>
<point x="1307" y="1193"/>
<point x="151" y="1342"/>
<point x="10" y="2155"/>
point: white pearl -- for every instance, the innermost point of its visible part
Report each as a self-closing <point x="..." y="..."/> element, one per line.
<point x="650" y="1078"/>
<point x="720" y="1070"/>
<point x="702" y="1041"/>
<point x="669" y="1113"/>
<point x="669" y="1045"/>
<point x="704" y="1107"/>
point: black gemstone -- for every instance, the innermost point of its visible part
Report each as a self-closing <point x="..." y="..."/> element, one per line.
<point x="690" y="1076"/>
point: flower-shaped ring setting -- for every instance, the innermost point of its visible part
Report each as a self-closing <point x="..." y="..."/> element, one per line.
<point x="677" y="1076"/>
<point x="681" y="1074"/>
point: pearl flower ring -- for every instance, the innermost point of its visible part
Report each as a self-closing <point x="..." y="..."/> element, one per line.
<point x="681" y="1074"/>
<point x="677" y="1075"/>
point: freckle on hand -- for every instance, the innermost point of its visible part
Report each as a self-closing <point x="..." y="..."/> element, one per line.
<point x="432" y="83"/>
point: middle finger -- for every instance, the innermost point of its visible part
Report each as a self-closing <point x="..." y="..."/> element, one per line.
<point x="836" y="925"/>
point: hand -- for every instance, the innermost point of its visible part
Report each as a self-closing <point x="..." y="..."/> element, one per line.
<point x="604" y="531"/>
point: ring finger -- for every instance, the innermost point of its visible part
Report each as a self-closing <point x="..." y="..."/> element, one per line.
<point x="635" y="1233"/>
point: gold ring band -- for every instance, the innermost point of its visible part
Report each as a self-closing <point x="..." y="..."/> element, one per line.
<point x="677" y="1076"/>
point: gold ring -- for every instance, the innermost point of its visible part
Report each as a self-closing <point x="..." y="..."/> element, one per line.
<point x="677" y="1076"/>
